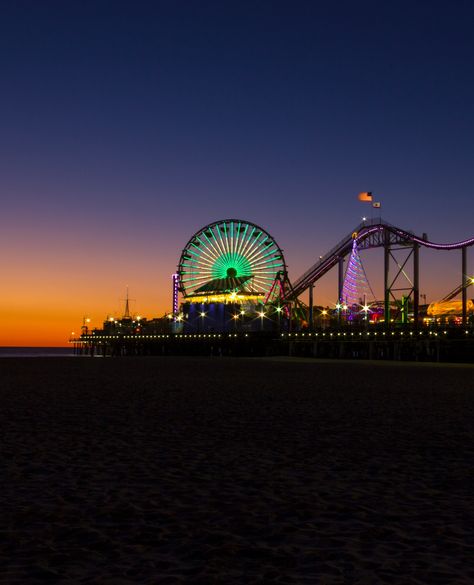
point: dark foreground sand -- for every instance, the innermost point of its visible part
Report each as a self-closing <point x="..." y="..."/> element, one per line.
<point x="184" y="470"/>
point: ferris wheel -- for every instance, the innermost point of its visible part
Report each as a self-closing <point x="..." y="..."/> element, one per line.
<point x="230" y="255"/>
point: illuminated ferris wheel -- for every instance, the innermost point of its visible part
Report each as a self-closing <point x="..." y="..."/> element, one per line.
<point x="230" y="256"/>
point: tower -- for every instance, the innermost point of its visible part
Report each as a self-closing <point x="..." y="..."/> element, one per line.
<point x="127" y="314"/>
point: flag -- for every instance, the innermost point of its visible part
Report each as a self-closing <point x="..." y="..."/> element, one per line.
<point x="376" y="204"/>
<point x="366" y="196"/>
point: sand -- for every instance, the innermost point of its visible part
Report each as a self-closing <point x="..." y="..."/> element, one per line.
<point x="223" y="471"/>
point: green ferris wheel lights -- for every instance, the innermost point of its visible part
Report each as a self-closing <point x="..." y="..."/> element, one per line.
<point x="231" y="265"/>
<point x="230" y="249"/>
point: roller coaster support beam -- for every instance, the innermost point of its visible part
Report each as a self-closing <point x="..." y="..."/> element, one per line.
<point x="310" y="311"/>
<point x="340" y="279"/>
<point x="464" y="284"/>
<point x="416" y="282"/>
<point x="386" y="286"/>
<point x="340" y="285"/>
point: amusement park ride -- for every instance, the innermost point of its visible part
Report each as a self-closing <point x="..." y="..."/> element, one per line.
<point x="233" y="281"/>
<point x="233" y="267"/>
<point x="227" y="277"/>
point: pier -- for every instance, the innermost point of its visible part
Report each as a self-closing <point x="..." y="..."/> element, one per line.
<point x="232" y="296"/>
<point x="434" y="345"/>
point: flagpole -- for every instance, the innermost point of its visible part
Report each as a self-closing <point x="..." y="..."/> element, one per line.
<point x="366" y="196"/>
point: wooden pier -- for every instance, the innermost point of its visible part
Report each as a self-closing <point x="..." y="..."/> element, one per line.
<point x="442" y="345"/>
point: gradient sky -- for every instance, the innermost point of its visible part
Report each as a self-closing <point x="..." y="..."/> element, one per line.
<point x="126" y="127"/>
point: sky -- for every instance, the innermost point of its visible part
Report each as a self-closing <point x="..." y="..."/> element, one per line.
<point x="126" y="127"/>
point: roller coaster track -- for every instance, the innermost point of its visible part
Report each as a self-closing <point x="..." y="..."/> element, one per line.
<point x="454" y="293"/>
<point x="368" y="234"/>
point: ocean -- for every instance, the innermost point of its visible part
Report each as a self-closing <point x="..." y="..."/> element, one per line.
<point x="36" y="352"/>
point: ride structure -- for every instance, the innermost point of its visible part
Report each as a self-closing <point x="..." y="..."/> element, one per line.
<point x="226" y="273"/>
<point x="401" y="281"/>
<point x="235" y="268"/>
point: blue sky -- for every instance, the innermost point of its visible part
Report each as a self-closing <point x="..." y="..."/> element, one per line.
<point x="139" y="123"/>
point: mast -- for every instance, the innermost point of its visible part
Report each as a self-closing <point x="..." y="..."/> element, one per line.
<point x="127" y="315"/>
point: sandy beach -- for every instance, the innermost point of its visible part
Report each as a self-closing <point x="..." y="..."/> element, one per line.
<point x="222" y="471"/>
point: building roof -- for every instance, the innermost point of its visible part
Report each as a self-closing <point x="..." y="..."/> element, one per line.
<point x="223" y="285"/>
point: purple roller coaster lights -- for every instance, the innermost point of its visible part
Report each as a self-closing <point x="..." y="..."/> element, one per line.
<point x="453" y="246"/>
<point x="406" y="235"/>
<point x="365" y="233"/>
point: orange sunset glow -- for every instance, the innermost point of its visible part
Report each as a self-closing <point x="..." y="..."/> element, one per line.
<point x="62" y="277"/>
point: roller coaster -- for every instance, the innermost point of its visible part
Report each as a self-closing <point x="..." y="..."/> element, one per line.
<point x="378" y="233"/>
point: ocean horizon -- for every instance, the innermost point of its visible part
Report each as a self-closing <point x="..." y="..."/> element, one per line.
<point x="36" y="352"/>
